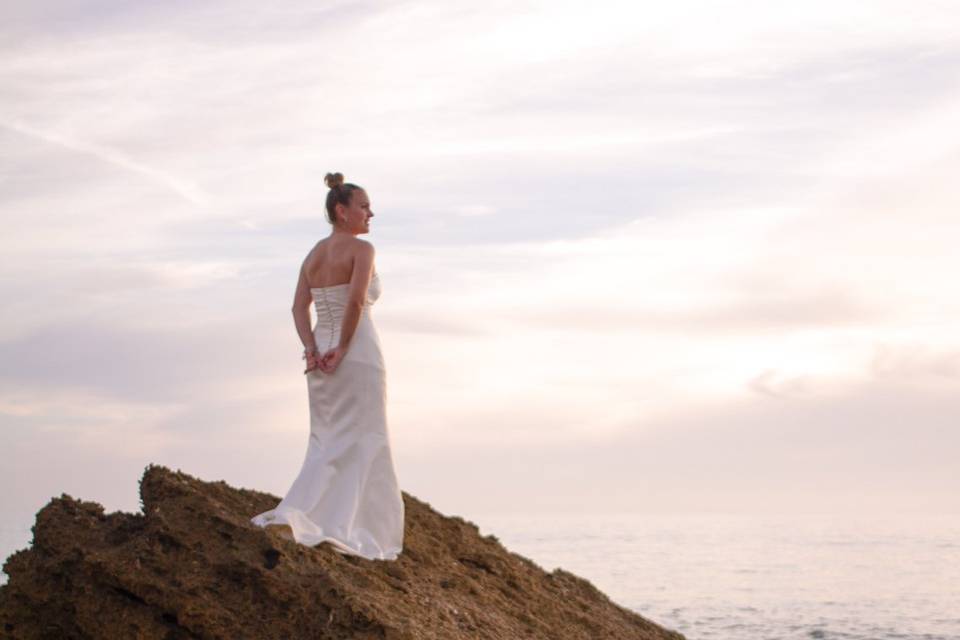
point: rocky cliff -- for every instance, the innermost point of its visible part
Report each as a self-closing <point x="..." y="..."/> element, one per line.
<point x="192" y="566"/>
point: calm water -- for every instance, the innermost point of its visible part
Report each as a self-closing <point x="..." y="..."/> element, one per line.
<point x="747" y="577"/>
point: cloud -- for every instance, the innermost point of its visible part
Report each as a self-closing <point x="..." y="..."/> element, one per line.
<point x="145" y="363"/>
<point x="752" y="315"/>
<point x="182" y="188"/>
<point x="768" y="455"/>
<point x="912" y="363"/>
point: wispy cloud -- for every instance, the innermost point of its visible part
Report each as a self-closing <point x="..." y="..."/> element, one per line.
<point x="182" y="188"/>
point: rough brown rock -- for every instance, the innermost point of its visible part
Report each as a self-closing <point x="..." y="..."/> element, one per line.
<point x="193" y="566"/>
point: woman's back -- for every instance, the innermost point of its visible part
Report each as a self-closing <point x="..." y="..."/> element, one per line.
<point x="331" y="261"/>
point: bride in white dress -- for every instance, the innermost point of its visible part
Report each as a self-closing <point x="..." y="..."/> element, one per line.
<point x="346" y="493"/>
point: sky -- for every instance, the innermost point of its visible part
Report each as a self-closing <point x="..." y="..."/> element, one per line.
<point x="636" y="257"/>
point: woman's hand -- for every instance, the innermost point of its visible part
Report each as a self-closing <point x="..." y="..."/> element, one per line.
<point x="313" y="360"/>
<point x="330" y="359"/>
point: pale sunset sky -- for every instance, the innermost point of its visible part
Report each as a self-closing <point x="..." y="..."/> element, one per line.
<point x="636" y="257"/>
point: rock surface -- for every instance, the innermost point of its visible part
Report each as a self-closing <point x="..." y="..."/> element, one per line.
<point x="193" y="566"/>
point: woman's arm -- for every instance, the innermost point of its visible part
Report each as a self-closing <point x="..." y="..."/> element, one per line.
<point x="357" y="295"/>
<point x="301" y="310"/>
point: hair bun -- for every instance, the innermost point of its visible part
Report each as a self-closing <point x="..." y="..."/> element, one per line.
<point x="333" y="180"/>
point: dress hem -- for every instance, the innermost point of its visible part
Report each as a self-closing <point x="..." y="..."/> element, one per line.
<point x="273" y="517"/>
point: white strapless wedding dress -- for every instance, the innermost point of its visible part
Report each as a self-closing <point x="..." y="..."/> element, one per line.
<point x="346" y="493"/>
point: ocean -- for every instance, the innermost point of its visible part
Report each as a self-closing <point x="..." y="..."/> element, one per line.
<point x="737" y="577"/>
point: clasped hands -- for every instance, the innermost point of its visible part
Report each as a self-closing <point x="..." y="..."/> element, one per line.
<point x="327" y="362"/>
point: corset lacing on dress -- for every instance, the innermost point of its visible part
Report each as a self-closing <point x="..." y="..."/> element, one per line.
<point x="326" y="305"/>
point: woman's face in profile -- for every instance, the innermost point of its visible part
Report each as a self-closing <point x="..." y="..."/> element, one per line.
<point x="357" y="215"/>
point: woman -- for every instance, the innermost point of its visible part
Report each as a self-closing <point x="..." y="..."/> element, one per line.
<point x="346" y="493"/>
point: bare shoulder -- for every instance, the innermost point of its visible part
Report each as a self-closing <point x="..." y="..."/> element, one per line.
<point x="313" y="252"/>
<point x="363" y="247"/>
